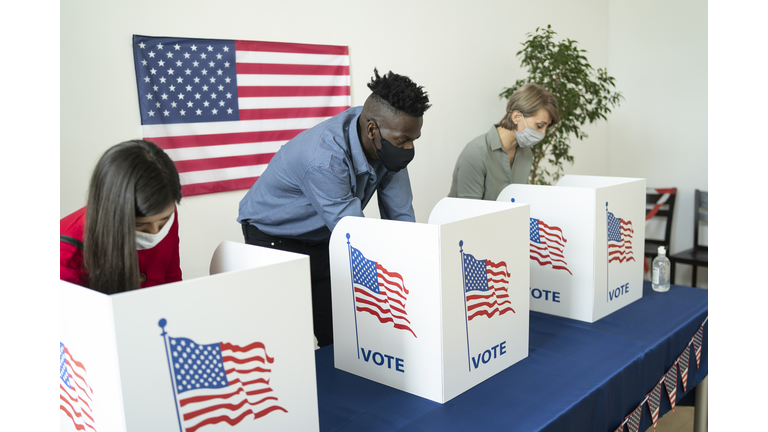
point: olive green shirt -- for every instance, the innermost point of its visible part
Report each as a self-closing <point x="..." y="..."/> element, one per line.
<point x="483" y="169"/>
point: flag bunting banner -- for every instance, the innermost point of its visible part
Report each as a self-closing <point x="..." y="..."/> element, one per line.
<point x="221" y="382"/>
<point x="548" y="245"/>
<point x="669" y="380"/>
<point x="654" y="401"/>
<point x="697" y="345"/>
<point x="379" y="292"/>
<point x="486" y="287"/>
<point x="683" y="362"/>
<point x="221" y="108"/>
<point x="633" y="422"/>
<point x="75" y="393"/>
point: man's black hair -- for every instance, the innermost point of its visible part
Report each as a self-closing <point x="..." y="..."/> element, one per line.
<point x="399" y="92"/>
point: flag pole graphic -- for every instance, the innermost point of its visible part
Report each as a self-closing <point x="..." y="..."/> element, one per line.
<point x="354" y="303"/>
<point x="464" y="294"/>
<point x="162" y="324"/>
<point x="607" y="263"/>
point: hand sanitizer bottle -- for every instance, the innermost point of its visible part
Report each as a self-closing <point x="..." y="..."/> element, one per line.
<point x="660" y="281"/>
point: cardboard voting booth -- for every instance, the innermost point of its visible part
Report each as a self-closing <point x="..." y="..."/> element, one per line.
<point x="228" y="352"/>
<point x="432" y="309"/>
<point x="587" y="237"/>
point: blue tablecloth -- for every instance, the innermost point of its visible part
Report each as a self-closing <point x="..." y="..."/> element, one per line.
<point x="577" y="377"/>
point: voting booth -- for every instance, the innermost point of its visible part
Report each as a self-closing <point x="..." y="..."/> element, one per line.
<point x="231" y="351"/>
<point x="586" y="237"/>
<point x="432" y="309"/>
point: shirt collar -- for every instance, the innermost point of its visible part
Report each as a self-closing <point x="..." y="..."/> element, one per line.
<point x="493" y="138"/>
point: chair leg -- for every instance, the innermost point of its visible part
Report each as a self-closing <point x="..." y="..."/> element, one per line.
<point x="693" y="281"/>
<point x="672" y="273"/>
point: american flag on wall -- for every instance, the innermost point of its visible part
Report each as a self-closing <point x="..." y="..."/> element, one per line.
<point x="485" y="287"/>
<point x="222" y="108"/>
<point x="221" y="382"/>
<point x="619" y="239"/>
<point x="548" y="245"/>
<point x="380" y="292"/>
<point x="75" y="393"/>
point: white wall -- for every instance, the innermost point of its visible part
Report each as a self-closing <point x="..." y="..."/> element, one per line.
<point x="463" y="53"/>
<point x="658" y="55"/>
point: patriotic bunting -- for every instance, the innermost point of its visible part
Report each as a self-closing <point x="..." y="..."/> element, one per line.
<point x="654" y="401"/>
<point x="669" y="380"/>
<point x="683" y="362"/>
<point x="634" y="419"/>
<point x="697" y="345"/>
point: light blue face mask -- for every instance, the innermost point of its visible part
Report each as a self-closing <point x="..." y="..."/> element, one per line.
<point x="528" y="137"/>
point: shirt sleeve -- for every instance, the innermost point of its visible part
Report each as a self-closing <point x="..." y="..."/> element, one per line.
<point x="71" y="267"/>
<point x="329" y="190"/>
<point x="396" y="197"/>
<point x="471" y="172"/>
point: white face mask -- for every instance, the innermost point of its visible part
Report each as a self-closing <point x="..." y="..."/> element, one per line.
<point x="528" y="136"/>
<point x="148" y="241"/>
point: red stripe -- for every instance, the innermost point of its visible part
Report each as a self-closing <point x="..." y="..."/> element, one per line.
<point x="241" y="45"/>
<point x="286" y="91"/>
<point x="262" y="413"/>
<point x="288" y="113"/>
<point x="289" y="69"/>
<point x="249" y="347"/>
<point x="222" y="162"/>
<point x="77" y="425"/>
<point x="259" y="359"/>
<point x="219" y="419"/>
<point x="185" y="141"/>
<point x="245" y="371"/>
<point x="217" y="186"/>
<point x="490" y="315"/>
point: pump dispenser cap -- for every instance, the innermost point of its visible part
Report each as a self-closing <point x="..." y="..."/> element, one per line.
<point x="662" y="250"/>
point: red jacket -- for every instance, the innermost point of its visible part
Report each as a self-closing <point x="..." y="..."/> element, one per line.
<point x="159" y="264"/>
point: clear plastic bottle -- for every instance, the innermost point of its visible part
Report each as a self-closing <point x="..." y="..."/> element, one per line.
<point x="661" y="266"/>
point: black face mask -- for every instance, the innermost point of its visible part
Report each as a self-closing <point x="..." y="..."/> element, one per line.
<point x="393" y="158"/>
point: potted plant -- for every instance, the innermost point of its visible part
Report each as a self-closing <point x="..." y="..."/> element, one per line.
<point x="583" y="95"/>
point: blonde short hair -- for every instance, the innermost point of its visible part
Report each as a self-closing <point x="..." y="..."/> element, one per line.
<point x="529" y="99"/>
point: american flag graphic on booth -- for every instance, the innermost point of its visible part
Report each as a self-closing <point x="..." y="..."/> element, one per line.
<point x="485" y="287"/>
<point x="619" y="239"/>
<point x="379" y="292"/>
<point x="221" y="382"/>
<point x="222" y="108"/>
<point x="74" y="391"/>
<point x="548" y="245"/>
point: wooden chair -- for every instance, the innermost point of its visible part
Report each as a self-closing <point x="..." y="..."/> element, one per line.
<point x="696" y="256"/>
<point x="657" y="205"/>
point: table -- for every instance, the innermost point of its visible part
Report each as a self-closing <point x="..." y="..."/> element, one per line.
<point x="577" y="377"/>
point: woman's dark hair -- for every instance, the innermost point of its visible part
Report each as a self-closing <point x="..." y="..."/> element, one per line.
<point x="132" y="179"/>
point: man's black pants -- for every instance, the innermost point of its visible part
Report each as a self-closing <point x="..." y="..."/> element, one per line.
<point x="320" y="272"/>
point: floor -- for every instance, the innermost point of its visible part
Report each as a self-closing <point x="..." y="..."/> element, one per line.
<point x="679" y="421"/>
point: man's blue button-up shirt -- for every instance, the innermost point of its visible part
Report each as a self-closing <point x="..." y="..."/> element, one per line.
<point x="319" y="177"/>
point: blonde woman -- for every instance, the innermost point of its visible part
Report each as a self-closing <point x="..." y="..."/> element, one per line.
<point x="503" y="155"/>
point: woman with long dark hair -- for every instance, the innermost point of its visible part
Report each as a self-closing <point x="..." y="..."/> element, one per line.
<point x="127" y="236"/>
